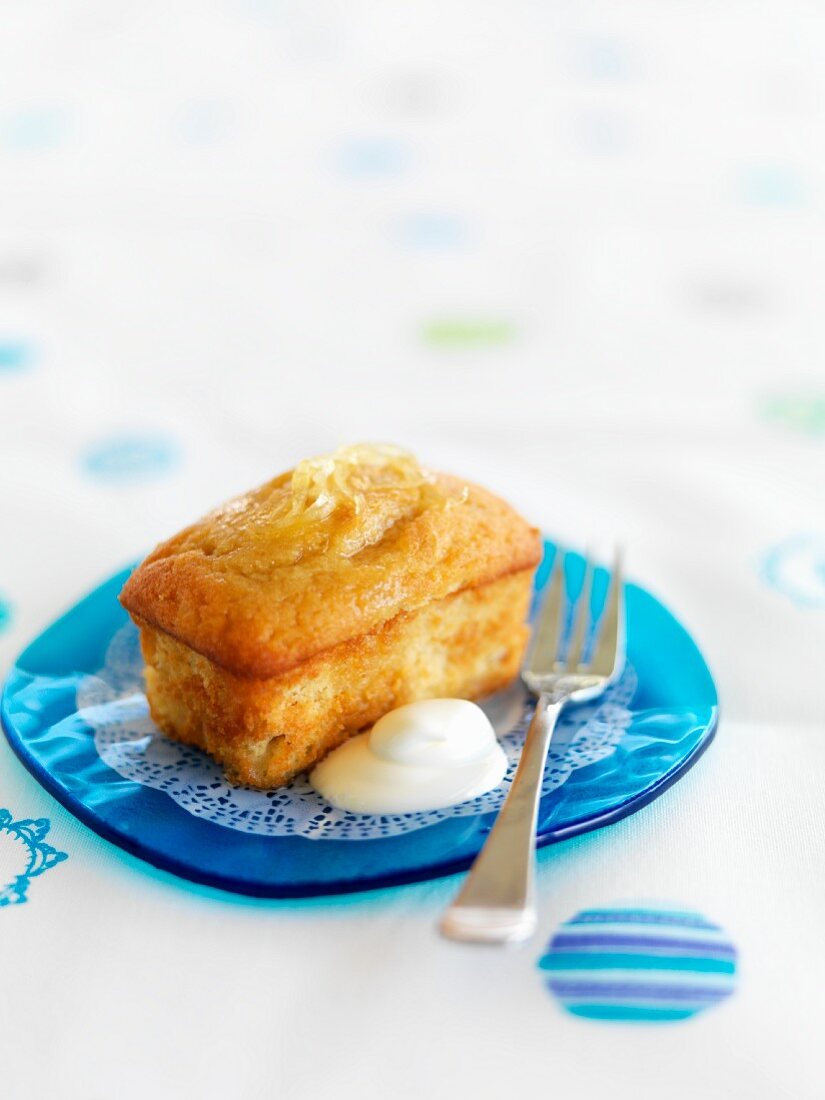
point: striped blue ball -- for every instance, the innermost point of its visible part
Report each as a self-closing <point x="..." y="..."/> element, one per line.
<point x="639" y="965"/>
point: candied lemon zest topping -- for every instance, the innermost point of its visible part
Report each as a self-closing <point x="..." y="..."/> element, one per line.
<point x="328" y="501"/>
<point x="320" y="485"/>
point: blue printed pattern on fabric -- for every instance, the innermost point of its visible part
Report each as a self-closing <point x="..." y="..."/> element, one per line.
<point x="14" y="356"/>
<point x="5" y="614"/>
<point x="130" y="459"/>
<point x="796" y="568"/>
<point x="23" y="855"/>
<point x="376" y="156"/>
<point x="433" y="230"/>
<point x="639" y="965"/>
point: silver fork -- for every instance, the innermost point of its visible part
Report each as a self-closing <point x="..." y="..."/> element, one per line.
<point x="497" y="902"/>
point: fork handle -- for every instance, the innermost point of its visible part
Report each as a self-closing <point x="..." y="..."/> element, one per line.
<point x="497" y="902"/>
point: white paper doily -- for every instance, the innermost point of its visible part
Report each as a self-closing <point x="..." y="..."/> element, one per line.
<point x="112" y="703"/>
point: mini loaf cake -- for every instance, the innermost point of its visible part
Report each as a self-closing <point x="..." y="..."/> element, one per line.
<point x="299" y="613"/>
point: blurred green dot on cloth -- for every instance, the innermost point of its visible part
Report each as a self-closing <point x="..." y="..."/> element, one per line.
<point x="458" y="332"/>
<point x="800" y="412"/>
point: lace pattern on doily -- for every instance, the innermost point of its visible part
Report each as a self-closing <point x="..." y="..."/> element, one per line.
<point x="112" y="703"/>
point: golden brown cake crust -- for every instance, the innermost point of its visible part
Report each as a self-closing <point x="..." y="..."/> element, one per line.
<point x="258" y="599"/>
<point x="264" y="732"/>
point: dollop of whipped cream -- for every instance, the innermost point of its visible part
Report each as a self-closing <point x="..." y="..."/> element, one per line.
<point x="421" y="756"/>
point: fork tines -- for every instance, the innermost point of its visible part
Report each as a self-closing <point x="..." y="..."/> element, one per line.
<point x="565" y="639"/>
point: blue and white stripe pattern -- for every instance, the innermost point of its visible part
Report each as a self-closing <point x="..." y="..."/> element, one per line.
<point x="639" y="964"/>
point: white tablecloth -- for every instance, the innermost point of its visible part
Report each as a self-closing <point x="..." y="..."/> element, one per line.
<point x="571" y="253"/>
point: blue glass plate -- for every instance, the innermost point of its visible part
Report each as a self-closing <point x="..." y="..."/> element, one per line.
<point x="74" y="712"/>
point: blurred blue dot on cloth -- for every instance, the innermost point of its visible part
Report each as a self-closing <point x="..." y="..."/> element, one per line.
<point x="33" y="129"/>
<point x="771" y="185"/>
<point x="601" y="57"/>
<point x="130" y="458"/>
<point x="433" y="230"/>
<point x="372" y="157"/>
<point x="796" y="569"/>
<point x="601" y="131"/>
<point x="14" y="356"/>
<point x="5" y="614"/>
<point x="638" y="964"/>
<point x="203" y="122"/>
